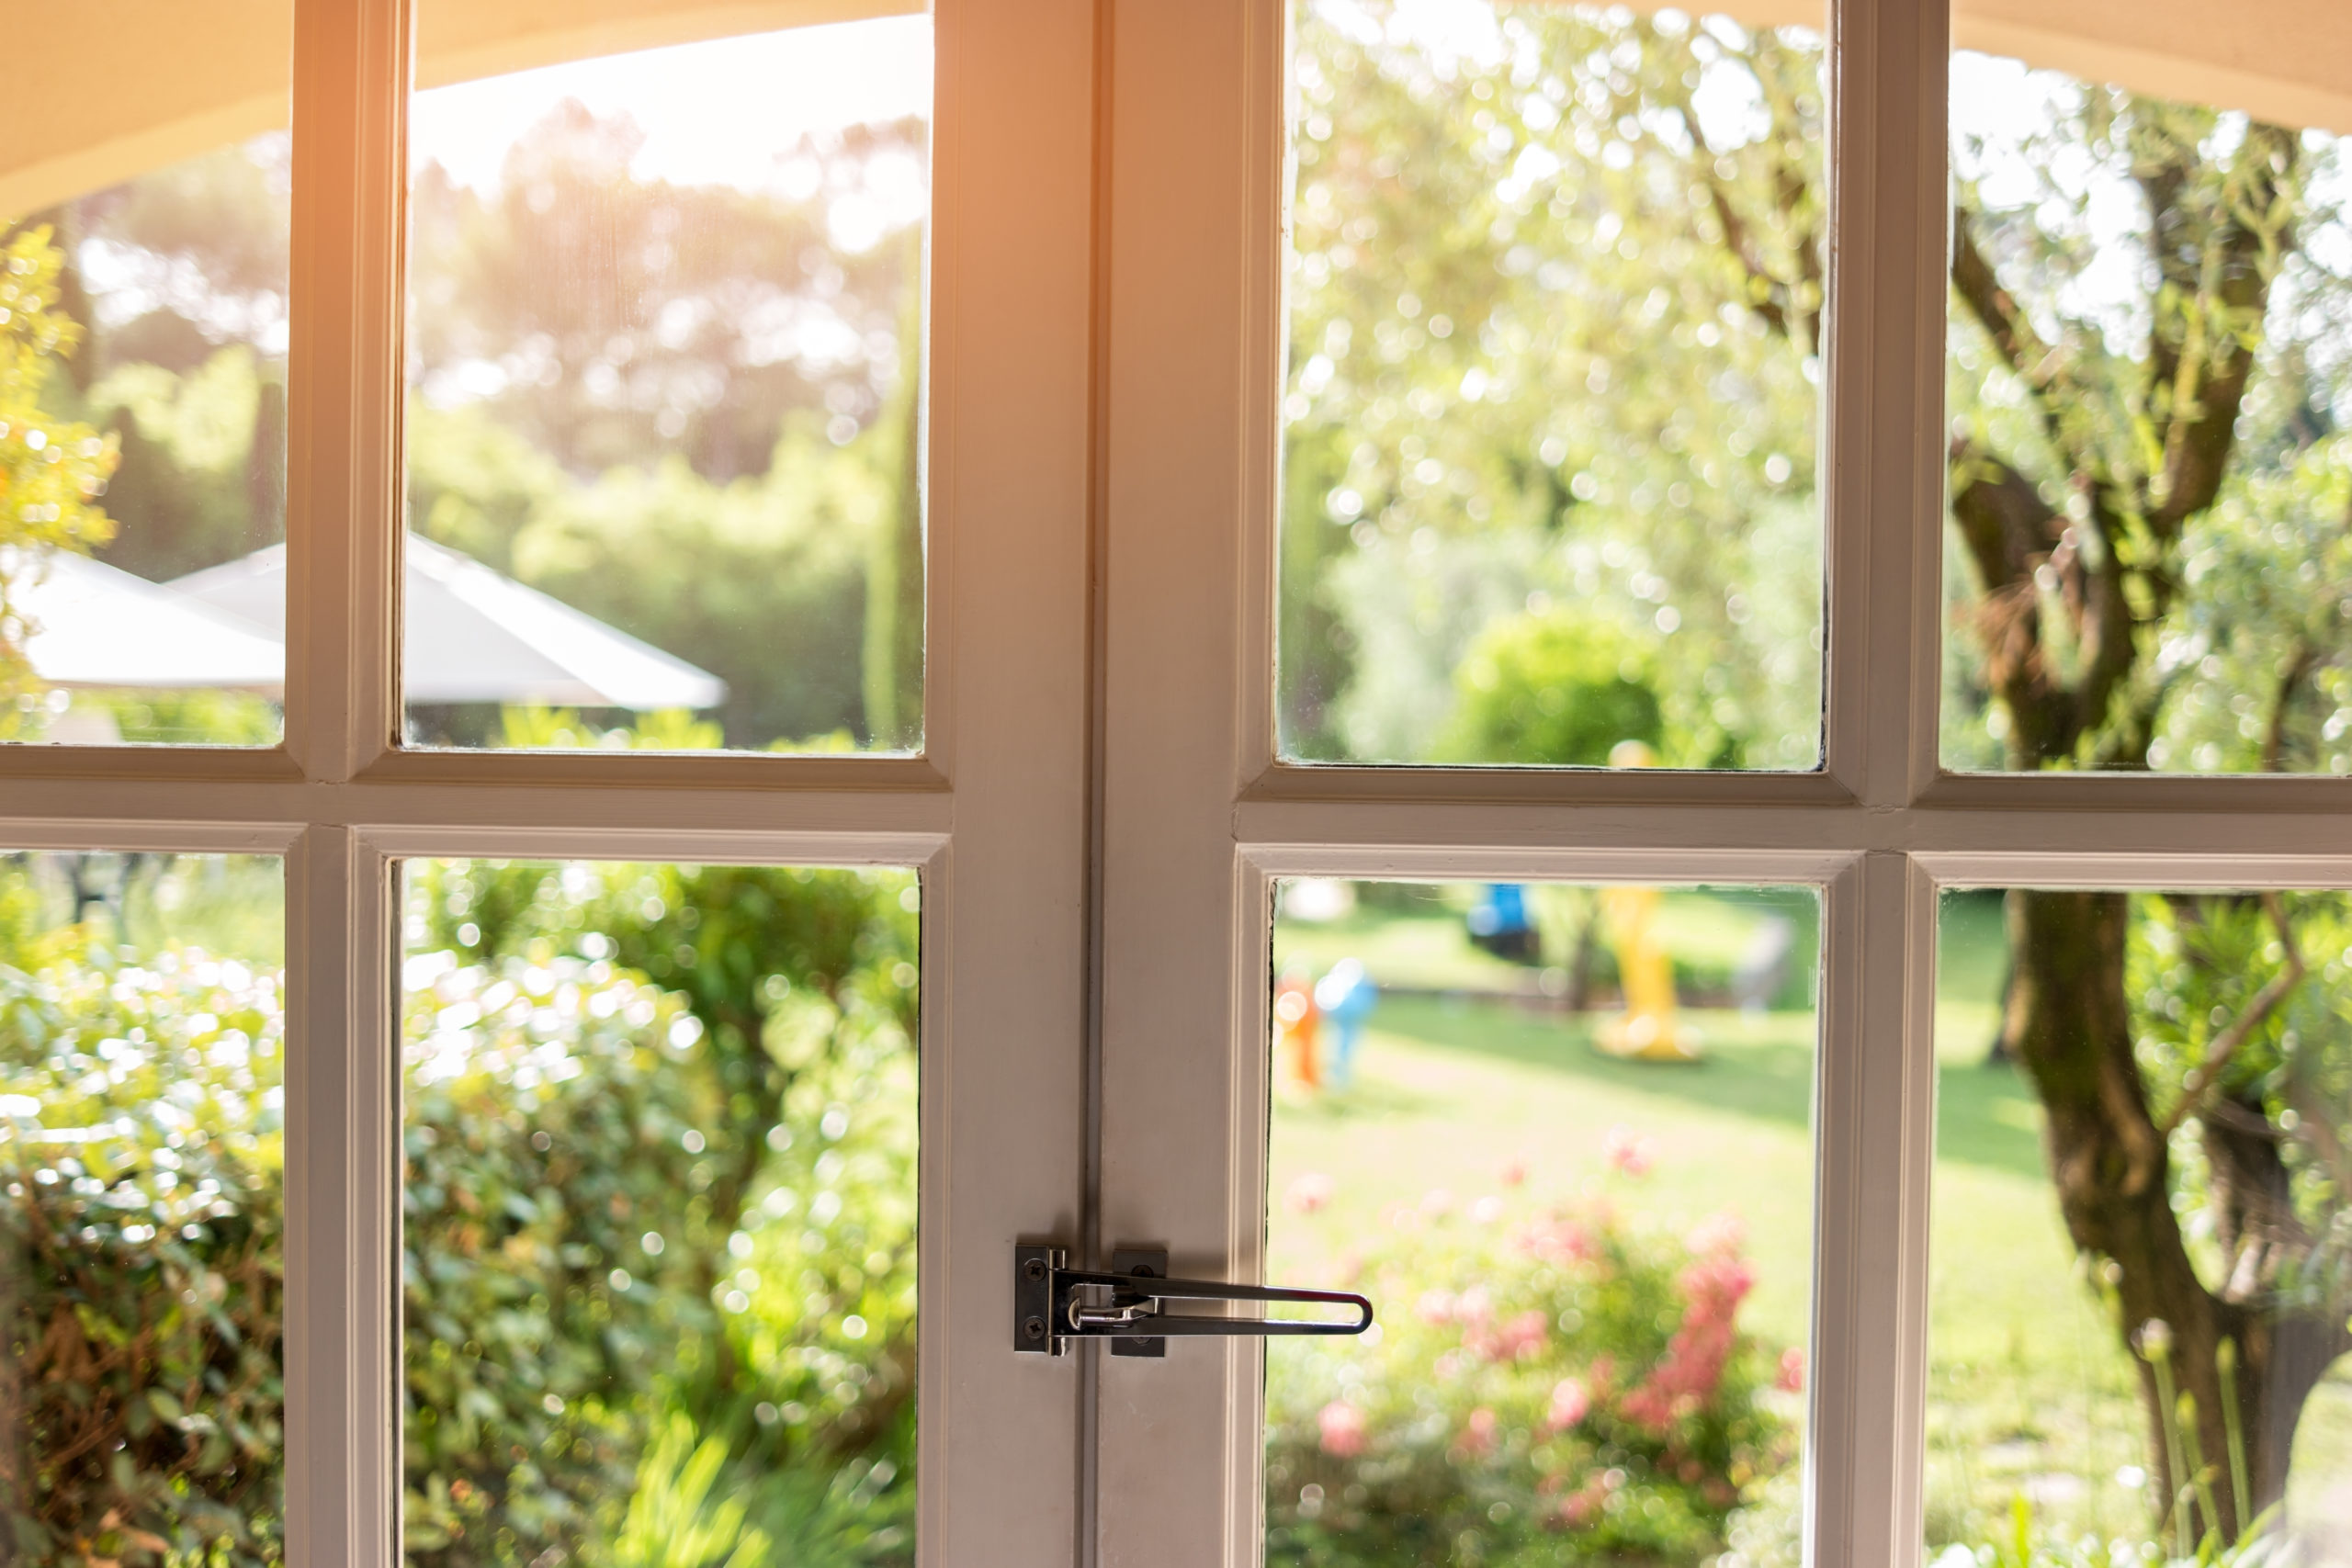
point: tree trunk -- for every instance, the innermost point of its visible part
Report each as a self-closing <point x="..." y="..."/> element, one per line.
<point x="2068" y="1021"/>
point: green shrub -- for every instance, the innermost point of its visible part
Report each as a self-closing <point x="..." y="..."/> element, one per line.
<point x="143" y="1153"/>
<point x="1557" y="689"/>
<point x="1562" y="1385"/>
<point x="608" y="1225"/>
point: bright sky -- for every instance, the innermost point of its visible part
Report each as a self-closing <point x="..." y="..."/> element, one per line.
<point x="718" y="113"/>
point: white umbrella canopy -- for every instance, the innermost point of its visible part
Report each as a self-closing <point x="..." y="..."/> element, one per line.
<point x="96" y="627"/>
<point x="474" y="636"/>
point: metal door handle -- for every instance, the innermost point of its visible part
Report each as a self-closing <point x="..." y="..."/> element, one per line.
<point x="1054" y="1304"/>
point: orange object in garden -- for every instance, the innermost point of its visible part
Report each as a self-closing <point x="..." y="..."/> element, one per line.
<point x="1295" y="1020"/>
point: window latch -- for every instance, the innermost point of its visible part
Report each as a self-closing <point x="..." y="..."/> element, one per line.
<point x="1128" y="1304"/>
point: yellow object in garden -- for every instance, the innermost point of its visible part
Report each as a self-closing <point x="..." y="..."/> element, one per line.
<point x="1646" y="1030"/>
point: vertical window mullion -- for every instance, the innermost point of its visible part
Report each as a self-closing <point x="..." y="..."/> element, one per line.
<point x="351" y="80"/>
<point x="1874" y="1142"/>
<point x="342" y="1424"/>
<point x="1883" y="496"/>
<point x="344" y="374"/>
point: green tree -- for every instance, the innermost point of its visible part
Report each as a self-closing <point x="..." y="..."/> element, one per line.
<point x="1553" y="295"/>
<point x="52" y="471"/>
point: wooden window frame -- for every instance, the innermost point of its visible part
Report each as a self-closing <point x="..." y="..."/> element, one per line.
<point x="1202" y="815"/>
<point x="985" y="813"/>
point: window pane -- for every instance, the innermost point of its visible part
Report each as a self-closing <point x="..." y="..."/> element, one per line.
<point x="660" y="1213"/>
<point x="665" y="371"/>
<point x="2150" y="342"/>
<point x="1551" y="410"/>
<point x="144" y="214"/>
<point x="2139" y="1291"/>
<point x="142" y="1153"/>
<point x="1561" y="1137"/>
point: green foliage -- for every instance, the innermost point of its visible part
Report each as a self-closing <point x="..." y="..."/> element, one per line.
<point x="1557" y="689"/>
<point x="211" y="718"/>
<point x="1560" y="1386"/>
<point x="673" y="1521"/>
<point x="1543" y="352"/>
<point x="549" y="1270"/>
<point x="52" y="471"/>
<point x="203" y="461"/>
<point x="144" y="1155"/>
<point x="665" y="340"/>
<point x="797" y="1235"/>
<point x="763" y="578"/>
<point x="2200" y="968"/>
<point x="611" y="1220"/>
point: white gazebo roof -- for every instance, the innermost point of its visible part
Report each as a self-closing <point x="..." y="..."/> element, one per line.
<point x="474" y="636"/>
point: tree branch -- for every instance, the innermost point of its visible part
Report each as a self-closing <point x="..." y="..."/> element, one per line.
<point x="2225" y="1045"/>
<point x="2217" y="270"/>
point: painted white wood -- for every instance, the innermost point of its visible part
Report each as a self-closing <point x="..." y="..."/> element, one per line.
<point x="1106" y="353"/>
<point x="1199" y="816"/>
<point x="994" y="814"/>
<point x="1873" y="1143"/>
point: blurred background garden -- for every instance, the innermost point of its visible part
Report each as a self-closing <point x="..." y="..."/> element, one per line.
<point x="658" y="1265"/>
<point x="1550" y="498"/>
<point x="1485" y="1144"/>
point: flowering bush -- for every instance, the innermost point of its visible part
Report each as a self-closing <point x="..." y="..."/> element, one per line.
<point x="1554" y="1385"/>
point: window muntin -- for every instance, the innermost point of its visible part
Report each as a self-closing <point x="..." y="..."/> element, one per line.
<point x="2147" y="365"/>
<point x="665" y="398"/>
<point x="1556" y="305"/>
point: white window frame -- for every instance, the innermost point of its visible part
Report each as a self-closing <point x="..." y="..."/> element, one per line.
<point x="992" y="813"/>
<point x="1200" y="814"/>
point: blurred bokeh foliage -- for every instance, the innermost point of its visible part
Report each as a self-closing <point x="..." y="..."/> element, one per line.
<point x="636" y="1204"/>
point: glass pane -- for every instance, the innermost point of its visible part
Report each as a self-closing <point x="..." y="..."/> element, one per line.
<point x="1556" y="310"/>
<point x="142" y="1283"/>
<point x="666" y="364"/>
<point x="144" y="218"/>
<point x="2139" y="1286"/>
<point x="2150" y="359"/>
<point x="659" y="1214"/>
<point x="1562" y="1137"/>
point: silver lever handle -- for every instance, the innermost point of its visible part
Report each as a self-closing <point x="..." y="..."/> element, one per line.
<point x="1054" y="1303"/>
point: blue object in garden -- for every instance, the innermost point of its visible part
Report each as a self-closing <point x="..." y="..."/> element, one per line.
<point x="1498" y="923"/>
<point x="1345" y="997"/>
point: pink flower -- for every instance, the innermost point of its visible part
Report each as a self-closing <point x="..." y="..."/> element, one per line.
<point x="1627" y="1151"/>
<point x="1578" y="1508"/>
<point x="1308" y="1193"/>
<point x="1519" y="1340"/>
<point x="1559" y="1241"/>
<point x="1473" y="1307"/>
<point x="1514" y="1173"/>
<point x="1344" y="1429"/>
<point x="1686" y="1377"/>
<point x="1726" y="1232"/>
<point x="1792" y="1375"/>
<point x="1570" y="1403"/>
<point x="1437" y="1203"/>
<point x="1477" y="1438"/>
<point x="1486" y="1211"/>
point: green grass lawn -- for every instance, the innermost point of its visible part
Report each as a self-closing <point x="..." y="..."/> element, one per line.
<point x="2029" y="1391"/>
